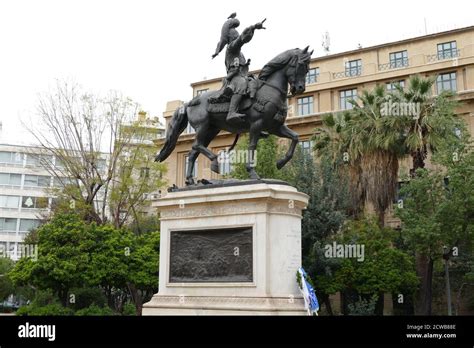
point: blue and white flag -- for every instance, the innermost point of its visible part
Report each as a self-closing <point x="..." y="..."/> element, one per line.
<point x="310" y="300"/>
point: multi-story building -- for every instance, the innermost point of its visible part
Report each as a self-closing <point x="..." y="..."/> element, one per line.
<point x="24" y="196"/>
<point x="141" y="133"/>
<point x="27" y="191"/>
<point x="144" y="130"/>
<point x="335" y="79"/>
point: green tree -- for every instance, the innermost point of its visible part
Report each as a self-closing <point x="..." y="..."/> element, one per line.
<point x="74" y="254"/>
<point x="374" y="142"/>
<point x="438" y="212"/>
<point x="267" y="151"/>
<point x="366" y="140"/>
<point x="6" y="285"/>
<point x="103" y="159"/>
<point x="62" y="257"/>
<point x="436" y="123"/>
<point x="143" y="266"/>
<point x="382" y="269"/>
<point x="326" y="212"/>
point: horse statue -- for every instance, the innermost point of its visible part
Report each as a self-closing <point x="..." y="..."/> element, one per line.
<point x="265" y="113"/>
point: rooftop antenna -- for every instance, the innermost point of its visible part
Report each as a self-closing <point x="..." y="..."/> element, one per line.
<point x="326" y="42"/>
<point x="426" y="28"/>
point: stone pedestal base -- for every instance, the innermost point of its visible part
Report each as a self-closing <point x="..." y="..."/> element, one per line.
<point x="230" y="250"/>
<point x="218" y="305"/>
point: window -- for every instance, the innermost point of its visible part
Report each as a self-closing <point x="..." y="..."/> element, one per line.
<point x="312" y="76"/>
<point x="225" y="167"/>
<point x="62" y="182"/>
<point x="8" y="224"/>
<point x="194" y="173"/>
<point x="447" y="50"/>
<point x="11" y="157"/>
<point x="30" y="202"/>
<point x="10" y="179"/>
<point x="28" y="224"/>
<point x="398" y="59"/>
<point x="354" y="67"/>
<point x="391" y="85"/>
<point x="58" y="163"/>
<point x="37" y="181"/>
<point x="201" y="91"/>
<point x="305" y="106"/>
<point x="446" y="82"/>
<point x="306" y="148"/>
<point x="9" y="201"/>
<point x="345" y="97"/>
<point x="32" y="160"/>
<point x="38" y="160"/>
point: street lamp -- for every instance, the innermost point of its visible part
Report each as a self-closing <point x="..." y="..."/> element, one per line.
<point x="446" y="254"/>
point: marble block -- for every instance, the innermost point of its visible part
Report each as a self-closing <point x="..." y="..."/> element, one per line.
<point x="230" y="250"/>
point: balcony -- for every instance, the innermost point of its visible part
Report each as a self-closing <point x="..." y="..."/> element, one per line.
<point x="349" y="72"/>
<point x="396" y="64"/>
<point x="443" y="55"/>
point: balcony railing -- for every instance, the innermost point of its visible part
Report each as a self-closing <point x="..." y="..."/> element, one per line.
<point x="349" y="72"/>
<point x="443" y="55"/>
<point x="394" y="65"/>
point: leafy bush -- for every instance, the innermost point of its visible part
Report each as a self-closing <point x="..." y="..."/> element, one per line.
<point x="95" y="310"/>
<point x="129" y="309"/>
<point x="54" y="309"/>
<point x="363" y="306"/>
<point x="86" y="297"/>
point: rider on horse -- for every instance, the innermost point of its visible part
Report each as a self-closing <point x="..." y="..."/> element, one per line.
<point x="237" y="81"/>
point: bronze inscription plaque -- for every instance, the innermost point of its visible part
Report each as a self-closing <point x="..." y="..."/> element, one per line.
<point x="214" y="255"/>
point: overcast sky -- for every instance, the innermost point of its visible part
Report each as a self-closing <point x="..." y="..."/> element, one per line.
<point x="151" y="50"/>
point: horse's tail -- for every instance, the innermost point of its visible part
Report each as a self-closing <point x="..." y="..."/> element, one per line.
<point x="177" y="125"/>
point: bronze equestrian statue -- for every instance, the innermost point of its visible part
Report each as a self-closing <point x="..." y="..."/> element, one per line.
<point x="244" y="103"/>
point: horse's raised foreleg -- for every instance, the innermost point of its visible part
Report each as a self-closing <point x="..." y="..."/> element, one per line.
<point x="285" y="132"/>
<point x="254" y="137"/>
<point x="209" y="154"/>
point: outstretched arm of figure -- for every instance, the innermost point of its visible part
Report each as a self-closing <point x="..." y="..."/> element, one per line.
<point x="246" y="36"/>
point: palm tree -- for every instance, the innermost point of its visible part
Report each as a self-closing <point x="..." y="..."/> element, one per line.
<point x="435" y="126"/>
<point x="375" y="142"/>
<point x="372" y="147"/>
<point x="436" y="123"/>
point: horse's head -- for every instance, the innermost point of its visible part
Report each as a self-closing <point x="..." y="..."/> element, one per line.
<point x="297" y="70"/>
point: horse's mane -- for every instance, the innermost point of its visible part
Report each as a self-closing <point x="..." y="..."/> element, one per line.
<point x="277" y="63"/>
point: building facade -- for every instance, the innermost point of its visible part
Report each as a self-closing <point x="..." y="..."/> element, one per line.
<point x="141" y="133"/>
<point x="24" y="196"/>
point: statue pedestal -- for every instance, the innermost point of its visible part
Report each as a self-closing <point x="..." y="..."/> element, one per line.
<point x="230" y="250"/>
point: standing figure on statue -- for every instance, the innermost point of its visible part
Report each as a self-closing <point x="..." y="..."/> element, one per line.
<point x="236" y="84"/>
